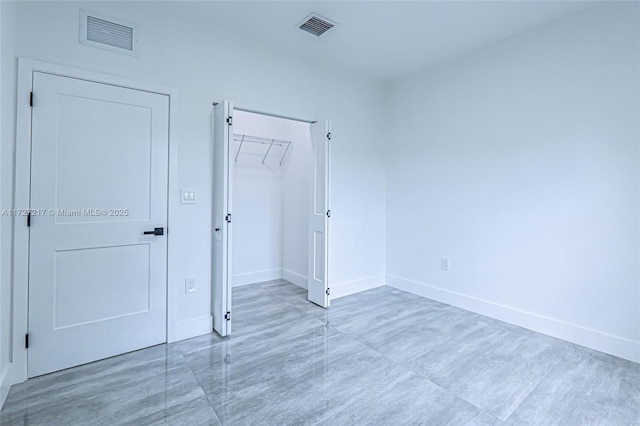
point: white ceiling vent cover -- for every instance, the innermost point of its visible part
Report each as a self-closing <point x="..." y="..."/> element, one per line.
<point x="316" y="24"/>
<point x="108" y="33"/>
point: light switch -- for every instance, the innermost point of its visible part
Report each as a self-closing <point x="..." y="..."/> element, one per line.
<point x="188" y="196"/>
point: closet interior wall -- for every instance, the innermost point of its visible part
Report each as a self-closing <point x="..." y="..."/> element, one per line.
<point x="270" y="201"/>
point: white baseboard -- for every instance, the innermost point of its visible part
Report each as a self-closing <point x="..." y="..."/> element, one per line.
<point x="603" y="342"/>
<point x="295" y="278"/>
<point x="356" y="286"/>
<point x="256" y="277"/>
<point x="191" y="328"/>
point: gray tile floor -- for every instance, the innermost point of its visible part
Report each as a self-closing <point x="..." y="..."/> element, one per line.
<point x="381" y="357"/>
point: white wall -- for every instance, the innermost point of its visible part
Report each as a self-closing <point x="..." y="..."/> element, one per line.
<point x="205" y="64"/>
<point x="257" y="225"/>
<point x="520" y="162"/>
<point x="7" y="135"/>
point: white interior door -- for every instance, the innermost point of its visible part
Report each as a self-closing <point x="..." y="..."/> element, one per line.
<point x="318" y="283"/>
<point x="97" y="282"/>
<point x="222" y="184"/>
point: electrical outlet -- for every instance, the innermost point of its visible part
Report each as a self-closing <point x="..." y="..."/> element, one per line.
<point x="444" y="263"/>
<point x="190" y="285"/>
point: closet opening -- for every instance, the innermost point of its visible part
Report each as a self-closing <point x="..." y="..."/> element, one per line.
<point x="270" y="217"/>
<point x="271" y="186"/>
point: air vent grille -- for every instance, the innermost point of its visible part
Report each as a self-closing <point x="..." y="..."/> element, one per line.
<point x="316" y="25"/>
<point x="109" y="33"/>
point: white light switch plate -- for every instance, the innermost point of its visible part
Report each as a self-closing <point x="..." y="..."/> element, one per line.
<point x="188" y="196"/>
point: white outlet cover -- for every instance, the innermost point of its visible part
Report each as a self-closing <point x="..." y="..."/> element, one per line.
<point x="444" y="263"/>
<point x="190" y="285"/>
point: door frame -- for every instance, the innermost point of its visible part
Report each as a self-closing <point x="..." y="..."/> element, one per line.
<point x="22" y="184"/>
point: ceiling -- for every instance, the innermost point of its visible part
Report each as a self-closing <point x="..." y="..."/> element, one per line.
<point x="385" y="39"/>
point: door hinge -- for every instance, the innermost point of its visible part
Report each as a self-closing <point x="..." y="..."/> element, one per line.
<point x="328" y="213"/>
<point x="328" y="291"/>
<point x="230" y="121"/>
<point x="26" y="341"/>
<point x="30" y="99"/>
<point x="228" y="218"/>
<point x="227" y="316"/>
<point x="329" y="135"/>
<point x="28" y="219"/>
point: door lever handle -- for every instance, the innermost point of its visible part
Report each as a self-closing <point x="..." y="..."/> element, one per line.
<point x="156" y="231"/>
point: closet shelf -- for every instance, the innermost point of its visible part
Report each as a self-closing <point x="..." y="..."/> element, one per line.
<point x="270" y="143"/>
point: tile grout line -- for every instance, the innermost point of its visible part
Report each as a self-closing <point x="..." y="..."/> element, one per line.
<point x="403" y="365"/>
<point x="532" y="390"/>
<point x="184" y="359"/>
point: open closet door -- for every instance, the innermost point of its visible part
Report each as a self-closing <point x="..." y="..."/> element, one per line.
<point x="221" y="250"/>
<point x="318" y="282"/>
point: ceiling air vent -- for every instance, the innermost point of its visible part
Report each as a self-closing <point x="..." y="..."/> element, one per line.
<point x="107" y="33"/>
<point x="316" y="25"/>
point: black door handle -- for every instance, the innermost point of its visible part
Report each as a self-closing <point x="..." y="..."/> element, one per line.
<point x="156" y="231"/>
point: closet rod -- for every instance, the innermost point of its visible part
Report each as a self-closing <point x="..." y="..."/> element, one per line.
<point x="258" y="139"/>
<point x="263" y="141"/>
